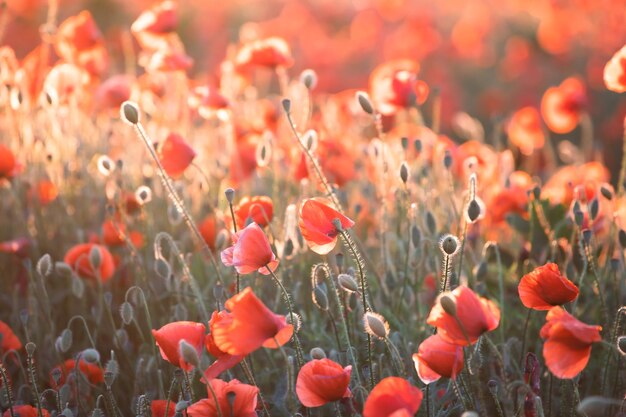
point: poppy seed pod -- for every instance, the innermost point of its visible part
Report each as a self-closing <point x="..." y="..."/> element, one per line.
<point x="449" y="244"/>
<point x="129" y="112"/>
<point x="474" y="210"/>
<point x="365" y="102"/>
<point x="286" y="103"/>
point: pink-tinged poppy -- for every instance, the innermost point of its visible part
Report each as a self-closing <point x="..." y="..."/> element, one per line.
<point x="316" y="224"/>
<point x="158" y="407"/>
<point x="525" y="130"/>
<point x="615" y="72"/>
<point x="393" y="397"/>
<point x="562" y="106"/>
<point x="249" y="325"/>
<point x="568" y="343"/>
<point x="223" y="361"/>
<point x="91" y="371"/>
<point x="475" y="314"/>
<point x="153" y="28"/>
<point x="19" y="247"/>
<point x="25" y="411"/>
<point x="269" y="52"/>
<point x="8" y="165"/>
<point x="78" y="258"/>
<point x="234" y="399"/>
<point x="168" y="340"/>
<point x="175" y="155"/>
<point x="545" y="287"/>
<point x="79" y="41"/>
<point x="322" y="381"/>
<point x="113" y="92"/>
<point x="394" y="86"/>
<point x="436" y="358"/>
<point x="258" y="208"/>
<point x="251" y="251"/>
<point x="9" y="341"/>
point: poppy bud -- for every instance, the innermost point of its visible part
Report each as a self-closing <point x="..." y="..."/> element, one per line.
<point x="606" y="192"/>
<point x="621" y="345"/>
<point x="493" y="387"/>
<point x="97" y="412"/>
<point x="347" y="283"/>
<point x="449" y="244"/>
<point x="594" y="406"/>
<point x="470" y="414"/>
<point x="480" y="270"/>
<point x="56" y="375"/>
<point x="536" y="192"/>
<point x="30" y="348"/>
<point x="320" y="299"/>
<point x="308" y="77"/>
<point x="594" y="207"/>
<point x="143" y="195"/>
<point x="417" y="144"/>
<point x="622" y="238"/>
<point x="317" y="353"/>
<point x="448" y="304"/>
<point x="404" y="141"/>
<point x="129" y="112"/>
<point x="365" y="102"/>
<point x="473" y="211"/>
<point x="181" y="406"/>
<point x="78" y="287"/>
<point x="579" y="217"/>
<point x="404" y="172"/>
<point x="65" y="340"/>
<point x="416" y="236"/>
<point x="189" y="353"/>
<point x="376" y="325"/>
<point x="337" y="224"/>
<point x="95" y="257"/>
<point x="44" y="265"/>
<point x="90" y="355"/>
<point x="587" y="234"/>
<point x="63" y="269"/>
<point x="447" y="159"/>
<point x="431" y="223"/>
<point x="162" y="268"/>
<point x="310" y="139"/>
<point x="121" y="338"/>
<point x="286" y="105"/>
<point x="106" y="166"/>
<point x="339" y="259"/>
<point x="67" y="412"/>
<point x="230" y="195"/>
<point x="127" y="312"/>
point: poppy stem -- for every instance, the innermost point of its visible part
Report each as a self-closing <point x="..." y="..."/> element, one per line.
<point x="521" y="359"/>
<point x="501" y="290"/>
<point x="237" y="276"/>
<point x="445" y="273"/>
<point x="622" y="171"/>
<point x="337" y="409"/>
<point x="427" y="400"/>
<point x="250" y="375"/>
<point x="9" y="391"/>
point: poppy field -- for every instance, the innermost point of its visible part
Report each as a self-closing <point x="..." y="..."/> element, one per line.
<point x="312" y="208"/>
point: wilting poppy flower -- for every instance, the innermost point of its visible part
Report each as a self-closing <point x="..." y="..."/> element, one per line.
<point x="394" y="85"/>
<point x="525" y="130"/>
<point x="175" y="155"/>
<point x="258" y="208"/>
<point x="91" y="371"/>
<point x="25" y="411"/>
<point x="7" y="162"/>
<point x="393" y="397"/>
<point x="251" y="251"/>
<point x="223" y="361"/>
<point x="78" y="257"/>
<point x="8" y="339"/>
<point x="615" y="72"/>
<point x="169" y="336"/>
<point x="19" y="247"/>
<point x="157" y="407"/>
<point x="568" y="345"/>
<point x="322" y="381"/>
<point x="545" y="287"/>
<point x="436" y="357"/>
<point x="316" y="224"/>
<point x="477" y="315"/>
<point x="561" y="106"/>
<point x="208" y="229"/>
<point x="249" y="325"/>
<point x="270" y="52"/>
<point x="234" y="399"/>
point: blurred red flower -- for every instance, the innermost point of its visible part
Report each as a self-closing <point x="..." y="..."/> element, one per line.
<point x="615" y="72"/>
<point x="316" y="224"/>
<point x="393" y="397"/>
<point x="153" y="27"/>
<point x="258" y="208"/>
<point x="436" y="357"/>
<point x="8" y="164"/>
<point x="545" y="287"/>
<point x="208" y="229"/>
<point x="322" y="381"/>
<point x="25" y="411"/>
<point x="562" y="106"/>
<point x="251" y="251"/>
<point x="9" y="341"/>
<point x="394" y="85"/>
<point x="79" y="41"/>
<point x="269" y="52"/>
<point x="525" y="131"/>
<point x="168" y="340"/>
<point x="19" y="247"/>
<point x="157" y="407"/>
<point x="234" y="399"/>
<point x="91" y="371"/>
<point x="78" y="258"/>
<point x="175" y="155"/>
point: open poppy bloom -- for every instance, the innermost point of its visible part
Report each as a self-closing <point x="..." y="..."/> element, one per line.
<point x="7" y="162"/>
<point x="394" y="85"/>
<point x="270" y="52"/>
<point x="175" y="155"/>
<point x="25" y="411"/>
<point x="168" y="340"/>
<point x="258" y="208"/>
<point x="158" y="407"/>
<point x="234" y="399"/>
<point x="393" y="397"/>
<point x="561" y="106"/>
<point x="19" y="247"/>
<point x="91" y="371"/>
<point x="322" y="381"/>
<point x="477" y="315"/>
<point x="545" y="287"/>
<point x="568" y="345"/>
<point x="249" y="325"/>
<point x="316" y="224"/>
<point x="223" y="361"/>
<point x="250" y="252"/>
<point x="78" y="257"/>
<point x="525" y="130"/>
<point x="615" y="72"/>
<point x="436" y="357"/>
<point x="9" y="341"/>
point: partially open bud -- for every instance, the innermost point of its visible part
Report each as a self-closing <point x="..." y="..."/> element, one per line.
<point x="129" y="112"/>
<point x="365" y="102"/>
<point x="376" y="325"/>
<point x="448" y="304"/>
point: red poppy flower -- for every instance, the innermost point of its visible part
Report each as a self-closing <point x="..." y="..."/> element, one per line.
<point x="169" y="336"/>
<point x="46" y="191"/>
<point x="568" y="345"/>
<point x="615" y="72"/>
<point x="394" y="85"/>
<point x="113" y="233"/>
<point x="316" y="224"/>
<point x="91" y="371"/>
<point x="393" y="396"/>
<point x="79" y="41"/>
<point x="157" y="407"/>
<point x="545" y="287"/>
<point x="167" y="60"/>
<point x="525" y="130"/>
<point x="562" y="106"/>
<point x="223" y="361"/>
<point x="154" y="28"/>
<point x="19" y="247"/>
<point x="436" y="357"/>
<point x="234" y="399"/>
<point x="208" y="229"/>
<point x="270" y="52"/>
<point x="8" y="164"/>
<point x="561" y="185"/>
<point x="78" y="258"/>
<point x="258" y="208"/>
<point x="477" y="315"/>
<point x="9" y="341"/>
<point x="251" y="251"/>
<point x="113" y="92"/>
<point x="249" y="326"/>
<point x="175" y="155"/>
<point x="207" y="100"/>
<point x="322" y="381"/>
<point x="26" y="411"/>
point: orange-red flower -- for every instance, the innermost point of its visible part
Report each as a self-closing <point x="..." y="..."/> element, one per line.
<point x="258" y="208"/>
<point x="270" y="52"/>
<point x="233" y="399"/>
<point x="91" y="371"/>
<point x="393" y="397"/>
<point x="78" y="258"/>
<point x="79" y="41"/>
<point x="568" y="345"/>
<point x="316" y="224"/>
<point x="249" y="325"/>
<point x="525" y="130"/>
<point x="8" y="164"/>
<point x="251" y="251"/>
<point x="589" y="176"/>
<point x="223" y="361"/>
<point x="561" y="106"/>
<point x="157" y="407"/>
<point x="175" y="155"/>
<point x="9" y="341"/>
<point x="615" y="72"/>
<point x="394" y="85"/>
<point x="46" y="192"/>
<point x="208" y="230"/>
<point x="322" y="381"/>
<point x="19" y="247"/>
<point x="545" y="287"/>
<point x="168" y="340"/>
<point x="476" y="315"/>
<point x="436" y="357"/>
<point x="25" y="411"/>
